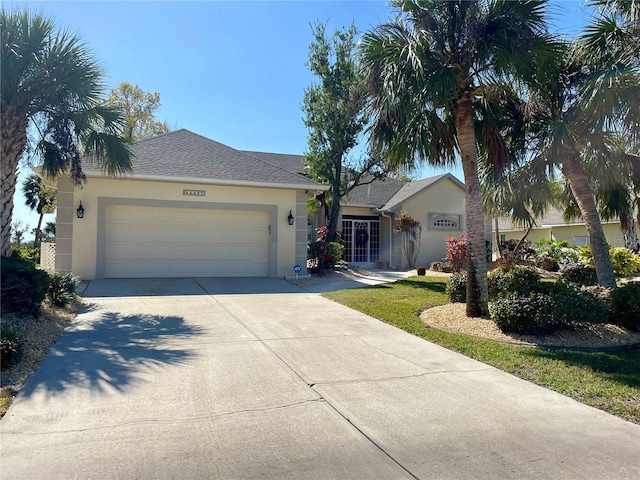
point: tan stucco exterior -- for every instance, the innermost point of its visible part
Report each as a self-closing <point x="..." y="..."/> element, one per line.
<point x="444" y="197"/>
<point x="567" y="233"/>
<point x="78" y="242"/>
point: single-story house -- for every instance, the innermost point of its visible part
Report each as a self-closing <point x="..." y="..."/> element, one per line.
<point x="553" y="227"/>
<point x="369" y="210"/>
<point x="193" y="207"/>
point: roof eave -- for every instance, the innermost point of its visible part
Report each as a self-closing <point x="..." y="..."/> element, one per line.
<point x="211" y="181"/>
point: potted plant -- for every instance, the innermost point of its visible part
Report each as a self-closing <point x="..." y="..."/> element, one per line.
<point x="421" y="270"/>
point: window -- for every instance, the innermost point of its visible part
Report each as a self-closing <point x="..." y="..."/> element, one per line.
<point x="503" y="237"/>
<point x="581" y="241"/>
<point x="444" y="221"/>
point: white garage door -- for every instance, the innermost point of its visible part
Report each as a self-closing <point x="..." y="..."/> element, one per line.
<point x="177" y="242"/>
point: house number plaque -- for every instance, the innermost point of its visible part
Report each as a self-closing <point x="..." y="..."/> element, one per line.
<point x="193" y="193"/>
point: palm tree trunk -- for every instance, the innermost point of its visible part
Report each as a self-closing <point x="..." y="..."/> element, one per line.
<point x="14" y="140"/>
<point x="574" y="172"/>
<point x="38" y="234"/>
<point x="629" y="232"/>
<point x="477" y="293"/>
<point x="499" y="245"/>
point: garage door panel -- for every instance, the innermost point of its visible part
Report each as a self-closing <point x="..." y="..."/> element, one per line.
<point x="174" y="242"/>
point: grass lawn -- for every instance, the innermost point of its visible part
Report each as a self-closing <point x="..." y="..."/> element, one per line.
<point x="609" y="381"/>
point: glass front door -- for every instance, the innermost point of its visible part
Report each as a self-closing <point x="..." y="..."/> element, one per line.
<point x="362" y="240"/>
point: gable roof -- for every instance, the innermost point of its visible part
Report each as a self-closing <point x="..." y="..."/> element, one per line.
<point x="182" y="155"/>
<point x="411" y="189"/>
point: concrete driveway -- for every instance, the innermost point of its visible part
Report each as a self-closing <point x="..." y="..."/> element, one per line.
<point x="257" y="378"/>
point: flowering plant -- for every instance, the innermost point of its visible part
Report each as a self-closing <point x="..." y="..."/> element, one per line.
<point x="321" y="233"/>
<point x="456" y="251"/>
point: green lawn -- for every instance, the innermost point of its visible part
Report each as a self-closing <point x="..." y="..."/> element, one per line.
<point x="609" y="381"/>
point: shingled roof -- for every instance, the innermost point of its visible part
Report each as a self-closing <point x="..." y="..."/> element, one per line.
<point x="410" y="189"/>
<point x="374" y="194"/>
<point x="291" y="163"/>
<point x="553" y="218"/>
<point x="184" y="155"/>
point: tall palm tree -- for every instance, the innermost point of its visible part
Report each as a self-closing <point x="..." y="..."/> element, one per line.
<point x="427" y="69"/>
<point x="51" y="87"/>
<point x="613" y="170"/>
<point x="579" y="101"/>
<point x="40" y="198"/>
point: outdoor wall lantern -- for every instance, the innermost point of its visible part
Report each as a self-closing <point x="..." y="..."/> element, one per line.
<point x="80" y="210"/>
<point x="290" y="218"/>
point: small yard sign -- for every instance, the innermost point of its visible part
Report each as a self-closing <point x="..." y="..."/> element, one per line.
<point x="297" y="269"/>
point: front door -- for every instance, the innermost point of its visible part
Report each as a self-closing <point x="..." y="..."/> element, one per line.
<point x="361" y="240"/>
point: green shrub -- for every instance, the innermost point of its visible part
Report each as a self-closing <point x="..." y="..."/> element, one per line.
<point x="23" y="286"/>
<point x="552" y="307"/>
<point x="578" y="307"/>
<point x="62" y="288"/>
<point x="625" y="306"/>
<point x="512" y="279"/>
<point x="580" y="274"/>
<point x="558" y="250"/>
<point x="457" y="288"/>
<point x="27" y="253"/>
<point x="331" y="252"/>
<point x="531" y="314"/>
<point x="624" y="261"/>
<point x="9" y="346"/>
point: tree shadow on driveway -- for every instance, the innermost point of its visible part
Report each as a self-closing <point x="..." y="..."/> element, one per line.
<point x="113" y="351"/>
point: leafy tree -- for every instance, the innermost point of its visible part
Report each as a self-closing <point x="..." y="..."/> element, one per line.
<point x="52" y="87"/>
<point x="18" y="229"/>
<point x="40" y="198"/>
<point x="427" y="70"/>
<point x="334" y="116"/>
<point x="139" y="109"/>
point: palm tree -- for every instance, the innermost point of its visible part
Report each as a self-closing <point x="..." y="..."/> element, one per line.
<point x="613" y="170"/>
<point x="40" y="198"/>
<point x="52" y="86"/>
<point x="578" y="102"/>
<point x="427" y="70"/>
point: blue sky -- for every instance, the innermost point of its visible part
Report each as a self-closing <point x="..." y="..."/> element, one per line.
<point x="233" y="71"/>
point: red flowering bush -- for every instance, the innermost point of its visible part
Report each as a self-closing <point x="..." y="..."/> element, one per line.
<point x="456" y="252"/>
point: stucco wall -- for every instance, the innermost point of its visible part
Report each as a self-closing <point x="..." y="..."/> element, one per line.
<point x="444" y="197"/>
<point x="288" y="244"/>
<point x="567" y="233"/>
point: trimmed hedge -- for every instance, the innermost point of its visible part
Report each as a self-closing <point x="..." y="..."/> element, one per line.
<point x="624" y="304"/>
<point x="553" y="307"/>
<point x="512" y="279"/>
<point x="531" y="314"/>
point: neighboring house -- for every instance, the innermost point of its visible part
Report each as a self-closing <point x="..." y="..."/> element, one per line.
<point x="368" y="216"/>
<point x="553" y="227"/>
<point x="191" y="208"/>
